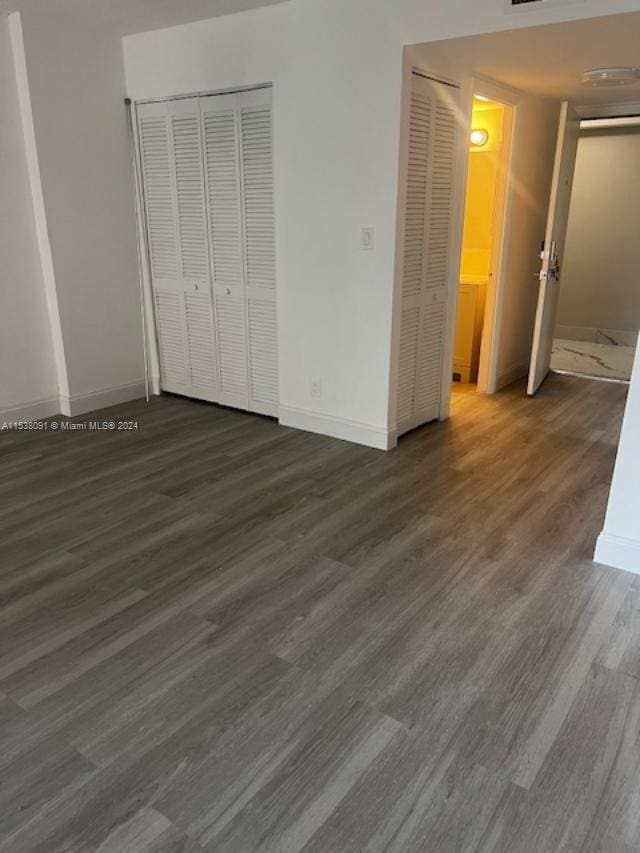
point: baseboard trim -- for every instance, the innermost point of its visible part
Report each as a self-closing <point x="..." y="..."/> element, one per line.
<point x="513" y="374"/>
<point x="618" y="552"/>
<point x="358" y="432"/>
<point x="37" y="410"/>
<point x="80" y="404"/>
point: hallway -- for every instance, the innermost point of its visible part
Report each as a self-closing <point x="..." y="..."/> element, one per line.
<point x="220" y="634"/>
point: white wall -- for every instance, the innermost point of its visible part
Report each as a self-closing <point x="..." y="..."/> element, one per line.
<point x="28" y="386"/>
<point x="619" y="543"/>
<point x="76" y="78"/>
<point x="337" y="73"/>
<point x="601" y="278"/>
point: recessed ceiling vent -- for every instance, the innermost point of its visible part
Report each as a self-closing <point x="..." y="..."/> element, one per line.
<point x="515" y="5"/>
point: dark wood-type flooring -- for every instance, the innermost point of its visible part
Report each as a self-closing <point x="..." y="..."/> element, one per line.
<point x="218" y="634"/>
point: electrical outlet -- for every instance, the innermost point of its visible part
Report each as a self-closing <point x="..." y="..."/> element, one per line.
<point x="315" y="386"/>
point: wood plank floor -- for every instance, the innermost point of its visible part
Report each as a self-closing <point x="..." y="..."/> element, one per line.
<point x="220" y="634"/>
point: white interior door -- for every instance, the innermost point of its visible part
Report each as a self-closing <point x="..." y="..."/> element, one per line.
<point x="172" y="167"/>
<point x="427" y="250"/>
<point x="554" y="245"/>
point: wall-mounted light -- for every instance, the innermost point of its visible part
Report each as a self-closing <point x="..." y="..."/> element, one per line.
<point x="479" y="137"/>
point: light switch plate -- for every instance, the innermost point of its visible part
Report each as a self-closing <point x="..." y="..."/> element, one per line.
<point x="366" y="239"/>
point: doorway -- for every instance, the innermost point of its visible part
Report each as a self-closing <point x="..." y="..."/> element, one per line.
<point x="599" y="302"/>
<point x="489" y="155"/>
<point x="520" y="281"/>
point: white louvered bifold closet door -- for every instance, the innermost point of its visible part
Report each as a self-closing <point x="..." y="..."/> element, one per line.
<point x="258" y="216"/>
<point x="223" y="191"/>
<point x="239" y="178"/>
<point x="172" y="166"/>
<point x="427" y="251"/>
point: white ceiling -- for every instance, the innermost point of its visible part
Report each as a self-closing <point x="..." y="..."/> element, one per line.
<point x="133" y="16"/>
<point x="549" y="61"/>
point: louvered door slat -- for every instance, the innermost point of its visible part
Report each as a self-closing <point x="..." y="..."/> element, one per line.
<point x="419" y="138"/>
<point x="257" y="172"/>
<point x="441" y="197"/>
<point x="158" y="184"/>
<point x="263" y="355"/>
<point x="409" y="339"/>
<point x="190" y="196"/>
<point x="173" y="354"/>
<point x="429" y="370"/>
<point x="230" y="314"/>
<point x="201" y="342"/>
<point x="223" y="193"/>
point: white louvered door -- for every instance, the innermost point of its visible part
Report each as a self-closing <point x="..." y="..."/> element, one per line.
<point x="256" y="159"/>
<point x="209" y="195"/>
<point x="172" y="164"/>
<point x="427" y="251"/>
<point x="223" y="192"/>
<point x="239" y="179"/>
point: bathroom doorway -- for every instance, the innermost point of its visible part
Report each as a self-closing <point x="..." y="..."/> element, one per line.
<point x="486" y="202"/>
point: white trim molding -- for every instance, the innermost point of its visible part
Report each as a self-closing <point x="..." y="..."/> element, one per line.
<point x="36" y="410"/>
<point x="358" y="432"/>
<point x="618" y="552"/>
<point x="80" y="404"/>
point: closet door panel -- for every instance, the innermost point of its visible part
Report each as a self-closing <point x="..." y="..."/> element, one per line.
<point x="220" y="128"/>
<point x="428" y="387"/>
<point x="409" y="342"/>
<point x="194" y="249"/>
<point x="156" y="151"/>
<point x="172" y="165"/>
<point x="428" y="220"/>
<point x="263" y="353"/>
<point x="230" y="311"/>
<point x="174" y="356"/>
<point x="258" y="211"/>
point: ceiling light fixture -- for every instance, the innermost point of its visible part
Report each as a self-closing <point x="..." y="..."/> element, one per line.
<point x="614" y="76"/>
<point x="479" y="137"/>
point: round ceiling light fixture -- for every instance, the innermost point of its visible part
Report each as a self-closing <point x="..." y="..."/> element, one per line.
<point x="615" y="76"/>
<point x="479" y="137"/>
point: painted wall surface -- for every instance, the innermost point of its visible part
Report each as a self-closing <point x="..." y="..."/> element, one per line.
<point x="336" y="67"/>
<point x="601" y="279"/>
<point x="619" y="543"/>
<point x="27" y="370"/>
<point x="77" y="91"/>
<point x="482" y="184"/>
